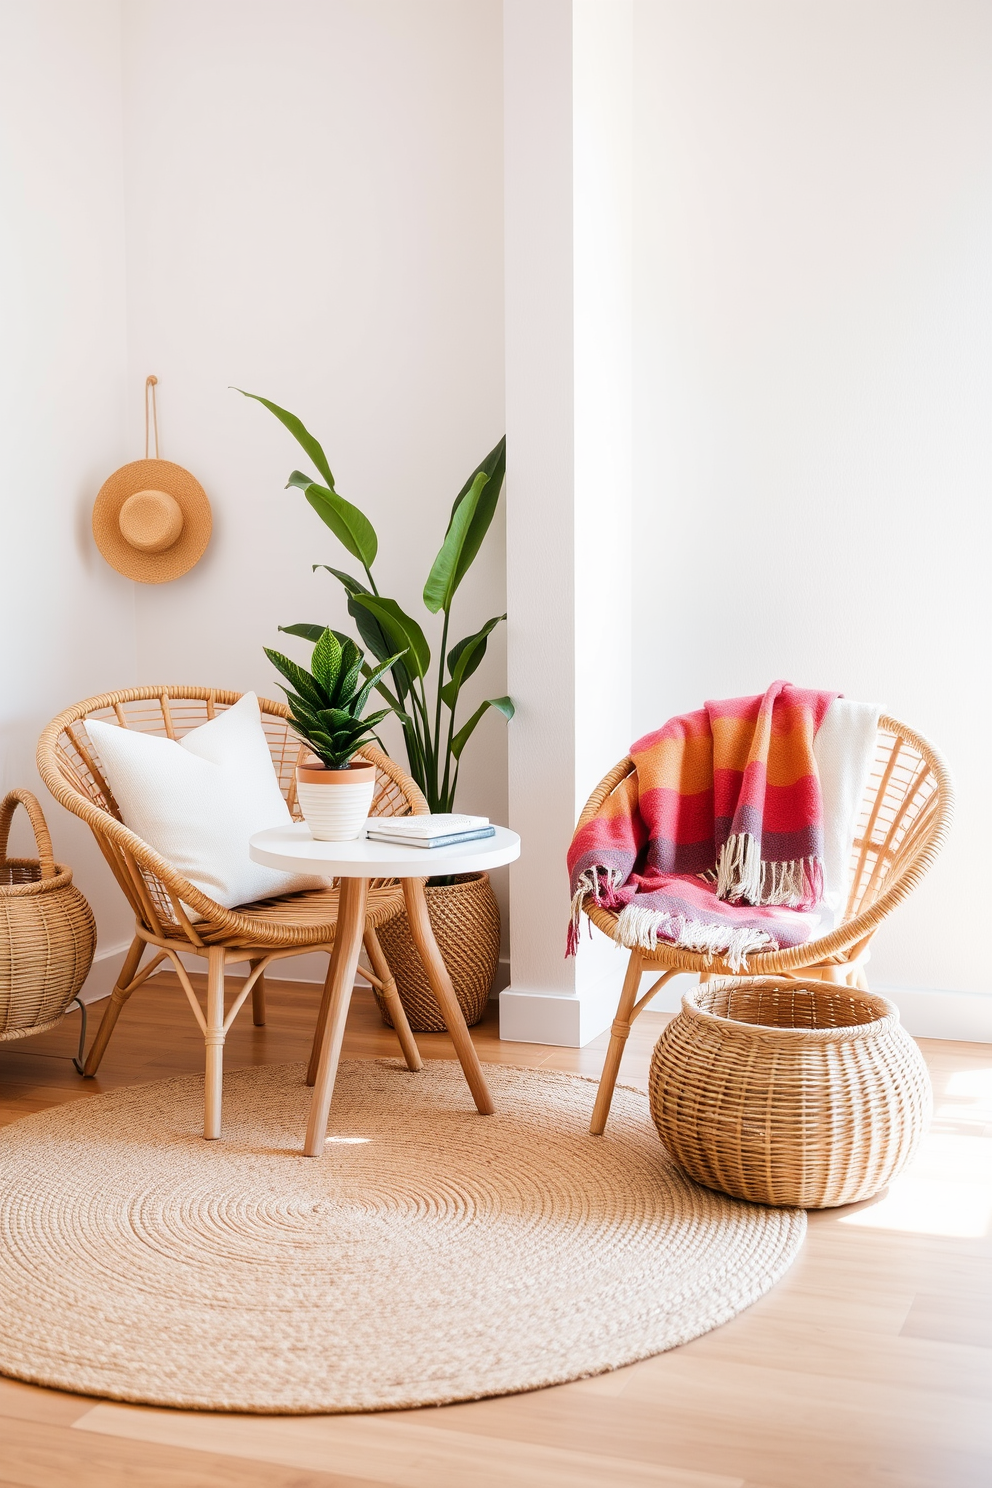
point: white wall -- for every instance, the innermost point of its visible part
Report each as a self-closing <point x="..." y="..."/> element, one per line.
<point x="308" y="199"/>
<point x="812" y="372"/>
<point x="314" y="213"/>
<point x="66" y="618"/>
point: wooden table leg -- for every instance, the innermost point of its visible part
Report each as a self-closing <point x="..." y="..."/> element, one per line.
<point x="437" y="975"/>
<point x="317" y="1042"/>
<point x="353" y="899"/>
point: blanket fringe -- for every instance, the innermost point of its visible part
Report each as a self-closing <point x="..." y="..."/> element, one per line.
<point x="642" y="928"/>
<point x="600" y="884"/>
<point x="742" y="877"/>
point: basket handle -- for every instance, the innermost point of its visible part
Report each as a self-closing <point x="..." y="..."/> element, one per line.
<point x="42" y="836"/>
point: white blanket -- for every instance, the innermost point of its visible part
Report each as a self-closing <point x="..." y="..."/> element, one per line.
<point x="844" y="749"/>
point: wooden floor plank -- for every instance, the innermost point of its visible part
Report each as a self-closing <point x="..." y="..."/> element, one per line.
<point x="398" y="1449"/>
<point x="22" y="1402"/>
<point x="868" y="1366"/>
<point x="61" y="1457"/>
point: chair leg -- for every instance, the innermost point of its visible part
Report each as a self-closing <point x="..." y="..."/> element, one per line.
<point x="618" y="1038"/>
<point x="213" y="1085"/>
<point x="391" y="998"/>
<point x="258" y="998"/>
<point x="119" y="996"/>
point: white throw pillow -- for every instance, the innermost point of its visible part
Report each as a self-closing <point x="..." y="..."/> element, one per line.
<point x="198" y="800"/>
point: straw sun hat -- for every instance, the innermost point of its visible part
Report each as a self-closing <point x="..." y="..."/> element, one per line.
<point x="151" y="520"/>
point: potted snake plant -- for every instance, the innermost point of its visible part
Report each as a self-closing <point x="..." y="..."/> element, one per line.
<point x="425" y="692"/>
<point x="326" y="706"/>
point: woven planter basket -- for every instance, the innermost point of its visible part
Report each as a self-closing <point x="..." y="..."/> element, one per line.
<point x="47" y="932"/>
<point x="465" y="920"/>
<point x="784" y="1092"/>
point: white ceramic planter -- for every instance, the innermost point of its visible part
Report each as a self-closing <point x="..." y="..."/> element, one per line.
<point x="335" y="803"/>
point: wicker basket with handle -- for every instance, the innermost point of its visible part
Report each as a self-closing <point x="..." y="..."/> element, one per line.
<point x="47" y="931"/>
<point x="789" y="1092"/>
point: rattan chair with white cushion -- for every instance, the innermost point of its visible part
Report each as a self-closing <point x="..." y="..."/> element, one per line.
<point x="904" y="819"/>
<point x="173" y="916"/>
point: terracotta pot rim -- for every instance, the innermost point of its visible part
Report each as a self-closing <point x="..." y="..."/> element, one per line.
<point x="323" y="775"/>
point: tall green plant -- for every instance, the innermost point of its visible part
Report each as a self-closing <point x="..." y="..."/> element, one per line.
<point x="426" y="702"/>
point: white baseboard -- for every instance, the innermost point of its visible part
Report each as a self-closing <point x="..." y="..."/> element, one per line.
<point x="926" y="1012"/>
<point x="567" y="1020"/>
<point x="103" y="973"/>
<point x="939" y="1013"/>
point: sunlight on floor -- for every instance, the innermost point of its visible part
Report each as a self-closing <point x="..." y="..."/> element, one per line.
<point x="970" y="1103"/>
<point x="347" y="1141"/>
<point x="948" y="1188"/>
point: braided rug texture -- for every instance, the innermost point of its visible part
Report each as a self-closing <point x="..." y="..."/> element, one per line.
<point x="430" y="1255"/>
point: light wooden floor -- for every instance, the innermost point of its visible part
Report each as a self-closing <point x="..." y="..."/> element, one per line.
<point x="869" y="1366"/>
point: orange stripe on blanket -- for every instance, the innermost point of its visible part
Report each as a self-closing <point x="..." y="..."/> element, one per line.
<point x="708" y="789"/>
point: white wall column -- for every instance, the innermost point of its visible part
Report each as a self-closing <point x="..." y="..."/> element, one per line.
<point x="568" y="211"/>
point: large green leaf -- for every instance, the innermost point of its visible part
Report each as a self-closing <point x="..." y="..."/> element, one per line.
<point x="494" y="465"/>
<point x="299" y="432"/>
<point x="502" y="705"/>
<point x="403" y="632"/>
<point x="441" y="581"/>
<point x="471" y="516"/>
<point x="370" y="629"/>
<point x="464" y="659"/>
<point x="307" y="632"/>
<point x="351" y="527"/>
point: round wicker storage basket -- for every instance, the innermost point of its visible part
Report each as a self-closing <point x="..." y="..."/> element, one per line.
<point x="47" y="931"/>
<point x="784" y="1092"/>
<point x="465" y="920"/>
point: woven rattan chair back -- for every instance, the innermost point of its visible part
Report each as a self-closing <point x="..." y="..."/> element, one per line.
<point x="171" y="914"/>
<point x="904" y="820"/>
<point x="71" y="768"/>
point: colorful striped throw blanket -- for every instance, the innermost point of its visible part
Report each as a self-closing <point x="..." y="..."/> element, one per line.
<point x="715" y="842"/>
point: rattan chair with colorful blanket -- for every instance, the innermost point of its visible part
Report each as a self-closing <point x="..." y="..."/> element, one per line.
<point x="904" y="819"/>
<point x="174" y="918"/>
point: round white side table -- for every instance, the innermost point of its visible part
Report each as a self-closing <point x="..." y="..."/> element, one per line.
<point x="355" y="864"/>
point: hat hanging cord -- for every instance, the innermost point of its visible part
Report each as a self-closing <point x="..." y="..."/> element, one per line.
<point x="150" y="385"/>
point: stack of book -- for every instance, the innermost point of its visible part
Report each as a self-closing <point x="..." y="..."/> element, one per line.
<point x="443" y="829"/>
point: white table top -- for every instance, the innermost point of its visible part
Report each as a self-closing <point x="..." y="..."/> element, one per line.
<point x="294" y="851"/>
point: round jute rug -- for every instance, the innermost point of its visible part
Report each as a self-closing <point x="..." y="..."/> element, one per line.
<point x="430" y="1255"/>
